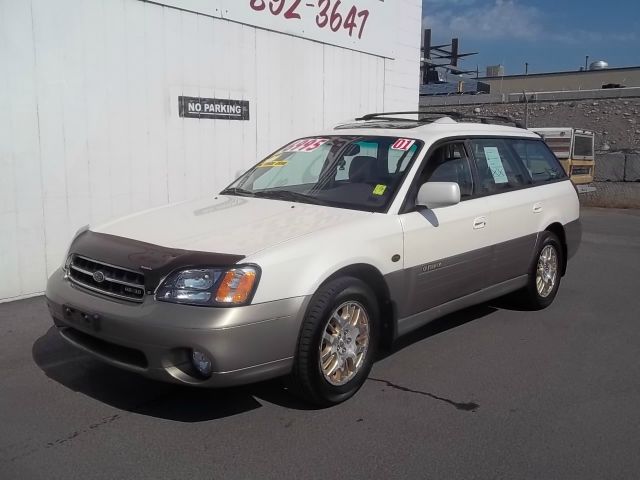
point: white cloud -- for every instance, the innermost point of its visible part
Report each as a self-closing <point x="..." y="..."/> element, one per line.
<point x="483" y="20"/>
<point x="504" y="20"/>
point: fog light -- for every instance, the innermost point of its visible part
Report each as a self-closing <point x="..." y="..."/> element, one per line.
<point x="201" y="363"/>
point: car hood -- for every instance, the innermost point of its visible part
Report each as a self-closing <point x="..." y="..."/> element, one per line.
<point x="227" y="224"/>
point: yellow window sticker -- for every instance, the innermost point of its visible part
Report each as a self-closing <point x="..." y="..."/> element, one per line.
<point x="273" y="162"/>
<point x="379" y="190"/>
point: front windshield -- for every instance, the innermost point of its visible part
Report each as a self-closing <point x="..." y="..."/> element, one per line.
<point x="356" y="172"/>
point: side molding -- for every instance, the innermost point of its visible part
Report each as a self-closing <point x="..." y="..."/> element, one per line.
<point x="409" y="324"/>
<point x="573" y="232"/>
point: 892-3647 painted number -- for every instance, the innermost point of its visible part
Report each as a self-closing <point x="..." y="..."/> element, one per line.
<point x="329" y="15"/>
<point x="291" y="12"/>
<point x="335" y="19"/>
<point x="277" y="6"/>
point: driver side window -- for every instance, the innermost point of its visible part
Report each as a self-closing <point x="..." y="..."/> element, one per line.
<point x="449" y="163"/>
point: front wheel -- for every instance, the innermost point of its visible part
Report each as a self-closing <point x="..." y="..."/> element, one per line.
<point x="338" y="341"/>
<point x="545" y="274"/>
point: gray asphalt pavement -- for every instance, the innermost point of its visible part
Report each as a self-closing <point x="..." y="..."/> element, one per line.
<point x="487" y="393"/>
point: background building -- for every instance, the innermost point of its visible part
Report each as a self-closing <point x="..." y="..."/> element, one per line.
<point x="495" y="71"/>
<point x="564" y="81"/>
<point x="90" y="122"/>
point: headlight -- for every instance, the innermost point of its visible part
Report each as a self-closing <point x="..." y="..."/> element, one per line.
<point x="67" y="258"/>
<point x="67" y="264"/>
<point x="210" y="286"/>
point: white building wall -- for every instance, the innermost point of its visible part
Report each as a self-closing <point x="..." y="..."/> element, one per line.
<point x="402" y="73"/>
<point x="89" y="124"/>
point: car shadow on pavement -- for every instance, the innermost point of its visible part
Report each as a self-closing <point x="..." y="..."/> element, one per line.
<point x="439" y="325"/>
<point x="128" y="391"/>
<point x="131" y="392"/>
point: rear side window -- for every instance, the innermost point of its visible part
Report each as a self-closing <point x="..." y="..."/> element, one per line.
<point x="499" y="170"/>
<point x="539" y="160"/>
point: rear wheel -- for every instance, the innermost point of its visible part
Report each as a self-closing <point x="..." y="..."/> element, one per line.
<point x="337" y="343"/>
<point x="545" y="274"/>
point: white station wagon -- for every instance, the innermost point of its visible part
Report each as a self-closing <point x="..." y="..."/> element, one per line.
<point x="328" y="248"/>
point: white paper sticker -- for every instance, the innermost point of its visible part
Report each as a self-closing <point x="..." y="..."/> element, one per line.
<point x="495" y="165"/>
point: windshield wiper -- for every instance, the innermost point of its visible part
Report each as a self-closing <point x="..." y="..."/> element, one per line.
<point x="288" y="195"/>
<point x="241" y="192"/>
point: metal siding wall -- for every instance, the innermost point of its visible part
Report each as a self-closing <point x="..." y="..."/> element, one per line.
<point x="89" y="125"/>
<point x="22" y="232"/>
<point x="9" y="265"/>
<point x="402" y="75"/>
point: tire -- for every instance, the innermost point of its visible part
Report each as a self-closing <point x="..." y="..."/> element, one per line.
<point x="545" y="274"/>
<point x="344" y="343"/>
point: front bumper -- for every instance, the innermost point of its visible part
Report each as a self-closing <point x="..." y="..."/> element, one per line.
<point x="246" y="344"/>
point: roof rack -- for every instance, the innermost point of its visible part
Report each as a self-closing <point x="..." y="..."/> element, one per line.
<point x="498" y="118"/>
<point x="422" y="116"/>
<point x="430" y="117"/>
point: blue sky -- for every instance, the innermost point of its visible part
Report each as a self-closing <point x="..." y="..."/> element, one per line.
<point x="549" y="34"/>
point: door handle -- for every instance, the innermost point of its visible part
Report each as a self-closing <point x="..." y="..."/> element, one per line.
<point x="479" y="223"/>
<point x="537" y="208"/>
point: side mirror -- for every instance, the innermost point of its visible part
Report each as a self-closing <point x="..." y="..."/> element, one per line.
<point x="438" y="195"/>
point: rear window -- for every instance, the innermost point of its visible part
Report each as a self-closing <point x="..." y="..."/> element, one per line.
<point x="561" y="146"/>
<point x="542" y="165"/>
<point x="498" y="168"/>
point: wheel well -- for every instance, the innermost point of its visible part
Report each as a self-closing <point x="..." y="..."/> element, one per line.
<point x="374" y="279"/>
<point x="558" y="230"/>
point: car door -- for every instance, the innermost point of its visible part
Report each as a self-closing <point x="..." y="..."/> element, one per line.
<point x="505" y="182"/>
<point x="446" y="250"/>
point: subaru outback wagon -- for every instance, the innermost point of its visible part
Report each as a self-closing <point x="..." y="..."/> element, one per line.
<point x="332" y="246"/>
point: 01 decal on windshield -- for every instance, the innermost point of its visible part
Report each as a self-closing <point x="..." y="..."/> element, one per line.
<point x="403" y="144"/>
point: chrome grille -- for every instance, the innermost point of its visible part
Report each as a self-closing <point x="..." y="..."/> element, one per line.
<point x="107" y="279"/>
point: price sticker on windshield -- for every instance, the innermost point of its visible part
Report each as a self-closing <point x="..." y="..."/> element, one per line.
<point x="306" y="145"/>
<point x="273" y="162"/>
<point x="403" y="144"/>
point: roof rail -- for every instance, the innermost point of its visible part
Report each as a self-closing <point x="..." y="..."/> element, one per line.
<point x="429" y="117"/>
<point x="421" y="116"/>
<point x="486" y="119"/>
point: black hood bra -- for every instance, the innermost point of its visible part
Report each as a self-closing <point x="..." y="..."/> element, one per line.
<point x="153" y="261"/>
